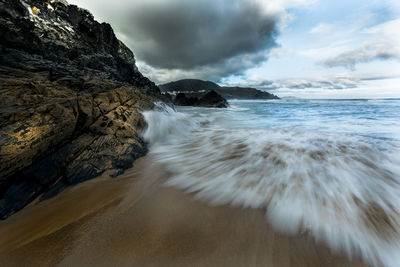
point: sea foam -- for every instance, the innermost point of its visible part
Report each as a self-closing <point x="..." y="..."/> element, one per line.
<point x="340" y="189"/>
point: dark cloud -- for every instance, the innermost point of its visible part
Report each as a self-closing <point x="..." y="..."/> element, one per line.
<point x="201" y="38"/>
<point x="213" y="72"/>
<point x="363" y="54"/>
<point x="188" y="34"/>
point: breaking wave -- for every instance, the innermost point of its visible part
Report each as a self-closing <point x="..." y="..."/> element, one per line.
<point x="341" y="189"/>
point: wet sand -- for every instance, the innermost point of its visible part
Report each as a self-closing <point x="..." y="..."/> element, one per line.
<point x="134" y="221"/>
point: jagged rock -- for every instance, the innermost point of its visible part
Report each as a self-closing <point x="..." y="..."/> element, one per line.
<point x="70" y="103"/>
<point x="65" y="34"/>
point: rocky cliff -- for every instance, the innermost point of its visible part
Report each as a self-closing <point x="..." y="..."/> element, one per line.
<point x="70" y="103"/>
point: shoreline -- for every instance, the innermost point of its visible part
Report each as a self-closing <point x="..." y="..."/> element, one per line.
<point x="133" y="220"/>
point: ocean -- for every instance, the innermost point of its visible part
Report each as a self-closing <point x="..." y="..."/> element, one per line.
<point x="328" y="168"/>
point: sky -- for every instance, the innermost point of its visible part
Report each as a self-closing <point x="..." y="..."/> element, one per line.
<point x="292" y="48"/>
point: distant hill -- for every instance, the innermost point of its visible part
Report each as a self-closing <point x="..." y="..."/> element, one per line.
<point x="194" y="87"/>
<point x="245" y="93"/>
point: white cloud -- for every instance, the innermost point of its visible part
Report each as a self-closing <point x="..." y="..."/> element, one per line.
<point x="326" y="83"/>
<point x="388" y="30"/>
<point x="342" y="81"/>
<point x="322" y="28"/>
<point x="356" y="44"/>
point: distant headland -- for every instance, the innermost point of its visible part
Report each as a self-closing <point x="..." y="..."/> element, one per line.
<point x="196" y="88"/>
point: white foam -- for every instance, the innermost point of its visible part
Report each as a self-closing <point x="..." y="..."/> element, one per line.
<point x="237" y="108"/>
<point x="340" y="189"/>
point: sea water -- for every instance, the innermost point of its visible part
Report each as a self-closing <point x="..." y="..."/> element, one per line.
<point x="329" y="168"/>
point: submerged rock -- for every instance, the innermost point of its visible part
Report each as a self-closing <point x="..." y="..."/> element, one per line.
<point x="70" y="104"/>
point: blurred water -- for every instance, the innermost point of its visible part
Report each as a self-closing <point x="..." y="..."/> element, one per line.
<point x="327" y="167"/>
<point x="379" y="119"/>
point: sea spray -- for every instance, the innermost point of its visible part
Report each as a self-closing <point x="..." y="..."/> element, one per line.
<point x="341" y="189"/>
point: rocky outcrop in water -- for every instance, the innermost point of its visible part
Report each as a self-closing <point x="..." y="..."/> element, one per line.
<point x="211" y="100"/>
<point x="182" y="100"/>
<point x="71" y="97"/>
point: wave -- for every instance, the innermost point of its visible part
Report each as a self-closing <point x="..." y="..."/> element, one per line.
<point x="340" y="189"/>
<point x="236" y="108"/>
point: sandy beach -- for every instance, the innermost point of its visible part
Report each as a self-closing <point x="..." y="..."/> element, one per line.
<point x="135" y="221"/>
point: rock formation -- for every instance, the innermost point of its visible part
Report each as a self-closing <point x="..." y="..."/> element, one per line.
<point x="211" y="100"/>
<point x="71" y="97"/>
<point x="181" y="100"/>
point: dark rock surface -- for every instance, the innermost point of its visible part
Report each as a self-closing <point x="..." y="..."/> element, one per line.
<point x="245" y="93"/>
<point x="197" y="88"/>
<point x="182" y="100"/>
<point x="211" y="100"/>
<point x="64" y="34"/>
<point x="70" y="104"/>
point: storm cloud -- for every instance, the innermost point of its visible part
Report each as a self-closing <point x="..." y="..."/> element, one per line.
<point x="213" y="72"/>
<point x="203" y="39"/>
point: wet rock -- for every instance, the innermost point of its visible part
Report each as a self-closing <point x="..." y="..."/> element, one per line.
<point x="71" y="101"/>
<point x="182" y="100"/>
<point x="212" y="100"/>
<point x="168" y="97"/>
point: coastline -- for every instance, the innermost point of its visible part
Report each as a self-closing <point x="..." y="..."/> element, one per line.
<point x="133" y="220"/>
<point x="88" y="144"/>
